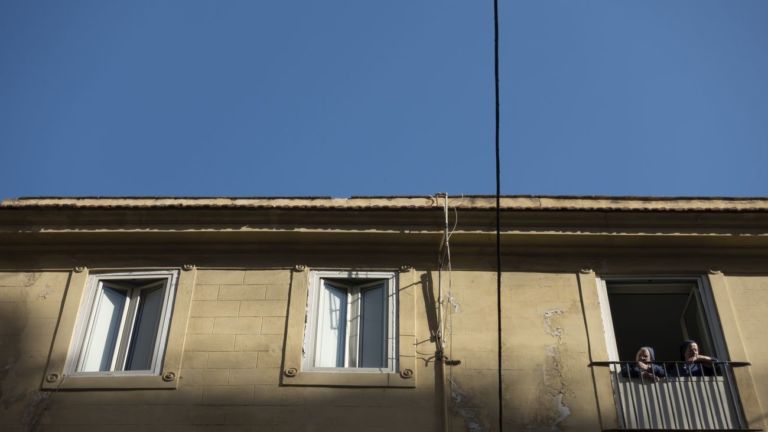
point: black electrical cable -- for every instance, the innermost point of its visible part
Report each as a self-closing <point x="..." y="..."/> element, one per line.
<point x="498" y="208"/>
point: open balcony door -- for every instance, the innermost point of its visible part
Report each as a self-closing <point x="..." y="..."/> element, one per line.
<point x="681" y="403"/>
<point x="693" y="323"/>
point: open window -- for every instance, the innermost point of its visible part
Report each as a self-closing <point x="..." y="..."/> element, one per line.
<point x="660" y="314"/>
<point x="351" y="321"/>
<point x="124" y="323"/>
<point x="667" y="392"/>
<point x="121" y="329"/>
<point x="351" y="328"/>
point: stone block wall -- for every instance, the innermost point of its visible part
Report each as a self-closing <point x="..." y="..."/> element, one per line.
<point x="230" y="378"/>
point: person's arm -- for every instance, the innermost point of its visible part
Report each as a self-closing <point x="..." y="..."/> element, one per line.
<point x="650" y="375"/>
<point x="646" y="371"/>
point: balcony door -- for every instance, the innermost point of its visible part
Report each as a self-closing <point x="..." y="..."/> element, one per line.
<point x="661" y="313"/>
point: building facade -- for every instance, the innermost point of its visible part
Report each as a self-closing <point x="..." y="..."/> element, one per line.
<point x="380" y="313"/>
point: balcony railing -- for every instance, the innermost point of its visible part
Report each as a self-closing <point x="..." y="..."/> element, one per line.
<point x="676" y="396"/>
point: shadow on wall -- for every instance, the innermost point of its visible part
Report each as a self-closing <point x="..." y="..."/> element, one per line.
<point x="430" y="309"/>
<point x="212" y="399"/>
<point x="244" y="395"/>
<point x="29" y="308"/>
<point x="12" y="324"/>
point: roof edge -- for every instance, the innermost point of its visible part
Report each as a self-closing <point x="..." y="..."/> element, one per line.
<point x="465" y="202"/>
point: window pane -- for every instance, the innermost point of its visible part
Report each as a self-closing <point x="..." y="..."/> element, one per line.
<point x="373" y="332"/>
<point x="332" y="327"/>
<point x="105" y="330"/>
<point x="145" y="329"/>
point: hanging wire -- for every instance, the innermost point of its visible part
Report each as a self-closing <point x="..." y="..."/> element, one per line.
<point x="444" y="254"/>
<point x="451" y="306"/>
<point x="445" y="262"/>
<point x="498" y="208"/>
<point x="446" y="304"/>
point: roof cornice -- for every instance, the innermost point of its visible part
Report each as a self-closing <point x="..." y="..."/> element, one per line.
<point x="474" y="202"/>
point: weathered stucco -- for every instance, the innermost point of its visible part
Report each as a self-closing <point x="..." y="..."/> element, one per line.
<point x="748" y="296"/>
<point x="234" y="344"/>
<point x="29" y="309"/>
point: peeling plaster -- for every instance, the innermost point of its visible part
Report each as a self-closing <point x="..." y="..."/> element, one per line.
<point x="561" y="408"/>
<point x="557" y="386"/>
<point x="556" y="332"/>
<point x="554" y="385"/>
<point x="452" y="301"/>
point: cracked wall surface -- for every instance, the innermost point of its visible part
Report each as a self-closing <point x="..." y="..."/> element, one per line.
<point x="547" y="384"/>
<point x="555" y="381"/>
<point x="545" y="354"/>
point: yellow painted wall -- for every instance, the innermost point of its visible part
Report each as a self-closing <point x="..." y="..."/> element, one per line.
<point x="749" y="298"/>
<point x="231" y="369"/>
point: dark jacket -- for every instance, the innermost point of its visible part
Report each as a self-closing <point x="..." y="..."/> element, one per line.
<point x="633" y="370"/>
<point x="688" y="369"/>
<point x="693" y="369"/>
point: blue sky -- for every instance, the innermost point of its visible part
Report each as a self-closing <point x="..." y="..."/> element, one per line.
<point x="341" y="98"/>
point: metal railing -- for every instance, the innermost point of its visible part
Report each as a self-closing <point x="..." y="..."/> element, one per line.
<point x="676" y="395"/>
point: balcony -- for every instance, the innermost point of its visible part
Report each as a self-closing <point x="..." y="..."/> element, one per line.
<point x="677" y="397"/>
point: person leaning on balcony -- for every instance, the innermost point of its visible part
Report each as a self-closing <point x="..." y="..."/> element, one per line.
<point x="695" y="364"/>
<point x="644" y="367"/>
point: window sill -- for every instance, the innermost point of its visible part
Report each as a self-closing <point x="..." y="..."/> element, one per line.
<point x="110" y="382"/>
<point x="350" y="379"/>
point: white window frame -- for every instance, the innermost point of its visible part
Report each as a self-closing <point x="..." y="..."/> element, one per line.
<point x="312" y="321"/>
<point x="88" y="310"/>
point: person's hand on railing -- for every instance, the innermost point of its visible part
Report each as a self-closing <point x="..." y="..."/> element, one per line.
<point x="646" y="371"/>
<point x="649" y="375"/>
<point x="699" y="358"/>
<point x="690" y="351"/>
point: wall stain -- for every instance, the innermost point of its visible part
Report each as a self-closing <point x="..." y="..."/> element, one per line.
<point x="554" y="386"/>
<point x="461" y="406"/>
<point x="37" y="404"/>
<point x="13" y="380"/>
<point x="13" y="326"/>
<point x="553" y="330"/>
<point x="12" y="279"/>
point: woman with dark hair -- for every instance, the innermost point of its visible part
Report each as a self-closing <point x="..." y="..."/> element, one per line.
<point x="696" y="364"/>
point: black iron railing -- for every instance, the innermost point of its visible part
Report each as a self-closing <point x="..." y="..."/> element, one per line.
<point x="676" y="395"/>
